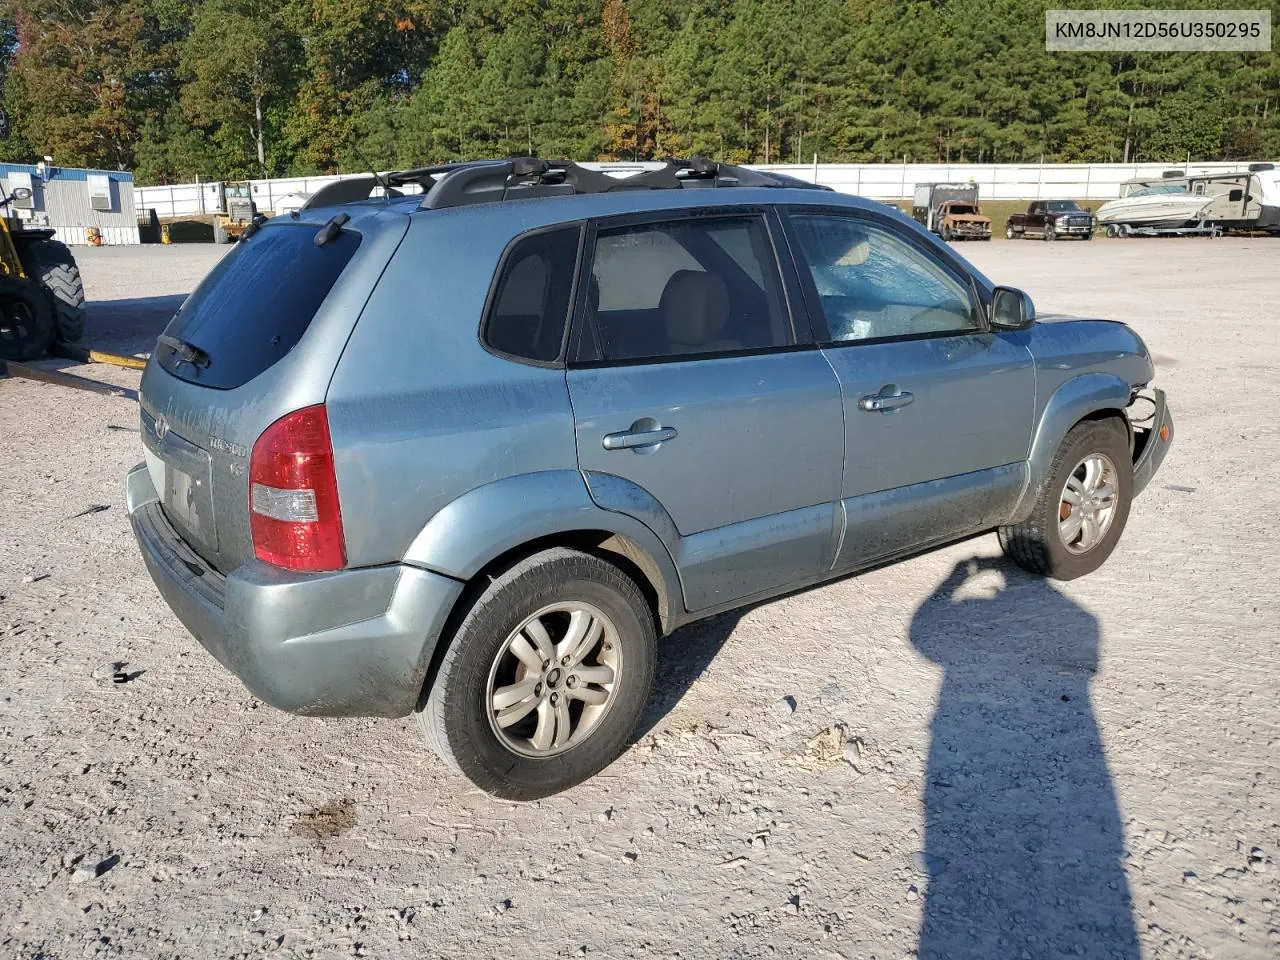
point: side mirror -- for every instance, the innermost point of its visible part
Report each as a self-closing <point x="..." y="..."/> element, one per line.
<point x="20" y="193"/>
<point x="1011" y="309"/>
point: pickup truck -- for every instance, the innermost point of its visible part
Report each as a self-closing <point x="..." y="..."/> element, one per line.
<point x="1051" y="219"/>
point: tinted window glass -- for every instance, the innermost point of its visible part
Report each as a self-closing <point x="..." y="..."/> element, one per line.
<point x="686" y="287"/>
<point x="531" y="303"/>
<point x="256" y="304"/>
<point x="874" y="284"/>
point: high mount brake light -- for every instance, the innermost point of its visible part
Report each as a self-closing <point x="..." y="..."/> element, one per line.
<point x="294" y="514"/>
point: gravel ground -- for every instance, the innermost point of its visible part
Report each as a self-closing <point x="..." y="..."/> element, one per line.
<point x="973" y="763"/>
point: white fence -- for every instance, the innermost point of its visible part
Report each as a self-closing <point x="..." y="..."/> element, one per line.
<point x="198" y="199"/>
<point x="1004" y="181"/>
<point x="882" y="181"/>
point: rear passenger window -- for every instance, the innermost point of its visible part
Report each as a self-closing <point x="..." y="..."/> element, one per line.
<point x="530" y="306"/>
<point x="686" y="287"/>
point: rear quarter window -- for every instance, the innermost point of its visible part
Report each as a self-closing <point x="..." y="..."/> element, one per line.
<point x="256" y="304"/>
<point x="530" y="304"/>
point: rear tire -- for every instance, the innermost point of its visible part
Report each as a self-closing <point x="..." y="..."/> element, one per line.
<point x="52" y="265"/>
<point x="1010" y="233"/>
<point x="1052" y="541"/>
<point x="477" y="715"/>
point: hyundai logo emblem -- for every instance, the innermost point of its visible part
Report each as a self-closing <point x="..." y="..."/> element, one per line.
<point x="162" y="427"/>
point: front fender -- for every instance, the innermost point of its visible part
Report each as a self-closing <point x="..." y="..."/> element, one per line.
<point x="1069" y="404"/>
<point x="490" y="520"/>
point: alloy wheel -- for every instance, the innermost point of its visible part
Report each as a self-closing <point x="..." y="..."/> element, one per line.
<point x="554" y="679"/>
<point x="1087" y="504"/>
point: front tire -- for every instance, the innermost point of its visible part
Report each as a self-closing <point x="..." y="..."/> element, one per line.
<point x="1082" y="507"/>
<point x="26" y="320"/>
<point x="545" y="677"/>
<point x="1050" y="234"/>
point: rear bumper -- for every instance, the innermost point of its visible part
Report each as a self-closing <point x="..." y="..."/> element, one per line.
<point x="348" y="643"/>
<point x="1155" y="446"/>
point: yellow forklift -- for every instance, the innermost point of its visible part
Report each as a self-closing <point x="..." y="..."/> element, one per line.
<point x="241" y="211"/>
<point x="42" y="299"/>
<point x="41" y="294"/>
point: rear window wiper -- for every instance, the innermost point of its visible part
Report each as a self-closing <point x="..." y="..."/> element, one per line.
<point x="187" y="352"/>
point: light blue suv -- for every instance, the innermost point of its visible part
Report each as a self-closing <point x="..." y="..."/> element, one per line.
<point x="467" y="453"/>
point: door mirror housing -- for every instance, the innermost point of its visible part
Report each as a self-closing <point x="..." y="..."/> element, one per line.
<point x="20" y="193"/>
<point x="1011" y="309"/>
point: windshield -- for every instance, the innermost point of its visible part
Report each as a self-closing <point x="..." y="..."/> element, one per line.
<point x="1062" y="206"/>
<point x="962" y="208"/>
<point x="1151" y="190"/>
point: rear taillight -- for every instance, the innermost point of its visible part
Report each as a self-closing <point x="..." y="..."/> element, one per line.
<point x="293" y="494"/>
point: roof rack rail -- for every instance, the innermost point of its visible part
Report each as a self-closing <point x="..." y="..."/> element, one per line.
<point x="520" y="178"/>
<point x="523" y="177"/>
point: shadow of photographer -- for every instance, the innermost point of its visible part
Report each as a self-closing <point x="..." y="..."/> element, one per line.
<point x="1023" y="836"/>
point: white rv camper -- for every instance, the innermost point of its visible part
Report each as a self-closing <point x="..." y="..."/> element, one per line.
<point x="1249" y="200"/>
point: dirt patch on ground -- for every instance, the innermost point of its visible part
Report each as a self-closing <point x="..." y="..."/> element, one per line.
<point x="327" y="821"/>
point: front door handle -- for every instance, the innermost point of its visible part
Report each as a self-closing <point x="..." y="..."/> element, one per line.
<point x="633" y="438"/>
<point x="885" y="401"/>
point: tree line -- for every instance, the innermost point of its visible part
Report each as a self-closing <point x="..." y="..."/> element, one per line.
<point x="230" y="89"/>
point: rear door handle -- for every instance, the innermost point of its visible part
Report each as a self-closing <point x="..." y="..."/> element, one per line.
<point x="630" y="439"/>
<point x="885" y="401"/>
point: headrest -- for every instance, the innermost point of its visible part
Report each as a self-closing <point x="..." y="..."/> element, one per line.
<point x="694" y="307"/>
<point x="835" y="245"/>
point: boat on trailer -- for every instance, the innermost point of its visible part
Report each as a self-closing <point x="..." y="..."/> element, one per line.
<point x="1181" y="202"/>
<point x="1164" y="203"/>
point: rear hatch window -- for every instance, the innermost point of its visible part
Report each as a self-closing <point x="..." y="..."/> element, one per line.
<point x="254" y="306"/>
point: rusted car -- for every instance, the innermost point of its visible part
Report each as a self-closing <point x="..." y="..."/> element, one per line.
<point x="960" y="220"/>
<point x="951" y="211"/>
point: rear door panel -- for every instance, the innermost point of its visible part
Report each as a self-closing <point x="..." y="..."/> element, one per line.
<point x="750" y="479"/>
<point x="758" y="438"/>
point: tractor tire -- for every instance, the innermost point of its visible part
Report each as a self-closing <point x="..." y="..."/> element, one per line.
<point x="51" y="264"/>
<point x="26" y="320"/>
